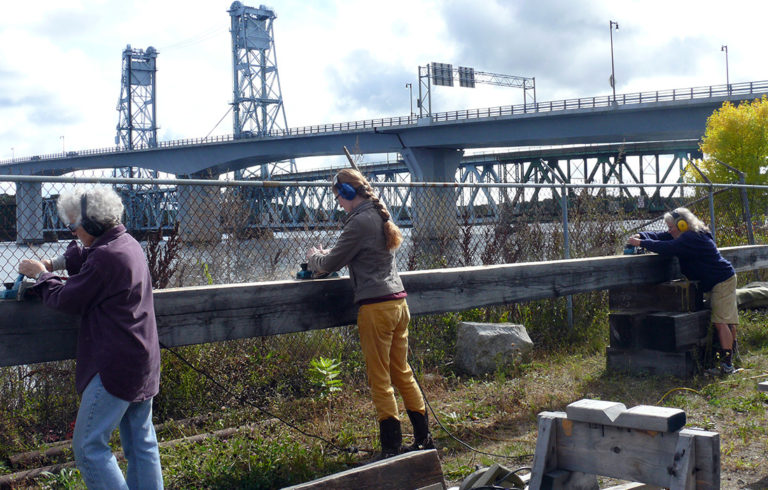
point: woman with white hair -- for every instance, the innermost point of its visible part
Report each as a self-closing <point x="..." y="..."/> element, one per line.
<point x="689" y="239"/>
<point x="118" y="353"/>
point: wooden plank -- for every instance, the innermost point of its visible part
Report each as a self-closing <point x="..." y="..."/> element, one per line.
<point x="30" y="333"/>
<point x="643" y="456"/>
<point x="545" y="455"/>
<point x="569" y="480"/>
<point x="594" y="411"/>
<point x="675" y="332"/>
<point x="633" y="486"/>
<point x="634" y="455"/>
<point x="682" y="470"/>
<point x="615" y="452"/>
<point x="409" y="471"/>
<point x="625" y="327"/>
<point x="746" y="258"/>
<point x="648" y="417"/>
<point x="679" y="364"/>
<point x="707" y="465"/>
<point x="668" y="296"/>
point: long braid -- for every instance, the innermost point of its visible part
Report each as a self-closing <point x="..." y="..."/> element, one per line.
<point x="392" y="233"/>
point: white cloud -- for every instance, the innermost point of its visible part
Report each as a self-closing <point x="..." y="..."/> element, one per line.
<point x="347" y="60"/>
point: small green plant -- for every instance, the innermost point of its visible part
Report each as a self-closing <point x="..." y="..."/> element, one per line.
<point x="207" y="274"/>
<point x="67" y="478"/>
<point x="324" y="373"/>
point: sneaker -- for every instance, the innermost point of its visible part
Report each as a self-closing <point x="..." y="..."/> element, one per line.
<point x="727" y="368"/>
<point x="715" y="371"/>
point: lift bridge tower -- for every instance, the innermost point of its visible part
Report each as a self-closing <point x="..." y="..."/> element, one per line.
<point x="257" y="107"/>
<point x="137" y="126"/>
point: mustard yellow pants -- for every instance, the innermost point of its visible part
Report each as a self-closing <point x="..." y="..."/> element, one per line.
<point x="383" y="331"/>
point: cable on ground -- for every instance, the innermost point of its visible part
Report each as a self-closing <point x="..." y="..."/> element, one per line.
<point x="244" y="400"/>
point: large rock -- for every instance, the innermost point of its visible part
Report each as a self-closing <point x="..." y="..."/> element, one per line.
<point x="482" y="347"/>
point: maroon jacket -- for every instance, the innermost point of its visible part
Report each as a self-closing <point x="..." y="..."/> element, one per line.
<point x="110" y="287"/>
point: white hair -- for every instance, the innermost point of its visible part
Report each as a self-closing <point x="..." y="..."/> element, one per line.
<point x="694" y="223"/>
<point x="103" y="205"/>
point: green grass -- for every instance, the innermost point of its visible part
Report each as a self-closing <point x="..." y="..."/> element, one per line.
<point x="495" y="414"/>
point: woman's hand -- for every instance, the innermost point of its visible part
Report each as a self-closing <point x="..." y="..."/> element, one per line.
<point x="31" y="268"/>
<point x="634" y="240"/>
<point x="319" y="250"/>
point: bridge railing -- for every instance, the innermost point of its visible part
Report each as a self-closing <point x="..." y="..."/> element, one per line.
<point x="734" y="90"/>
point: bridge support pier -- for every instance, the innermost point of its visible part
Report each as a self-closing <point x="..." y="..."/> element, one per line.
<point x="435" y="227"/>
<point x="29" y="213"/>
<point x="198" y="215"/>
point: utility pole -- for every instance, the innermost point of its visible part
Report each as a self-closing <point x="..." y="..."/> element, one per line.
<point x="724" y="47"/>
<point x="409" y="86"/>
<point x="613" y="73"/>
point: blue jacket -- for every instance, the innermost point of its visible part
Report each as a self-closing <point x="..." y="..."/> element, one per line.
<point x="110" y="288"/>
<point x="700" y="260"/>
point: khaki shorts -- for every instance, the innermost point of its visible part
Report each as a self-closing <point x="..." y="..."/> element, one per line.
<point x="723" y="301"/>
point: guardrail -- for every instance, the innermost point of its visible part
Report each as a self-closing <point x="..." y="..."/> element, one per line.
<point x="30" y="333"/>
<point x="691" y="93"/>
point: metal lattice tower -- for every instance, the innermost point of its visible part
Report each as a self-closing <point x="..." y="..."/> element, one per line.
<point x="137" y="127"/>
<point x="257" y="107"/>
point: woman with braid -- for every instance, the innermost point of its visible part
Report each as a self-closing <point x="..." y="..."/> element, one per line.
<point x="367" y="246"/>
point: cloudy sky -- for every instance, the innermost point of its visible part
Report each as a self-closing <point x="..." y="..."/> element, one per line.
<point x="348" y="60"/>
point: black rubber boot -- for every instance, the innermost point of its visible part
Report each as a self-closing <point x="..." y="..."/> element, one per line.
<point x="391" y="437"/>
<point x="422" y="439"/>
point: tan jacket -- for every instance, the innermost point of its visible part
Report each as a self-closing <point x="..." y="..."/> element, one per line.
<point x="362" y="247"/>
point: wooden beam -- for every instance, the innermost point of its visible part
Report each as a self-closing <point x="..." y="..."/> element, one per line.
<point x="414" y="470"/>
<point x="31" y="333"/>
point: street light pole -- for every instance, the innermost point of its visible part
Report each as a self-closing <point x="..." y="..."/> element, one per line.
<point x="13" y="154"/>
<point x="613" y="77"/>
<point x="724" y="47"/>
<point x="62" y="144"/>
<point x="409" y="86"/>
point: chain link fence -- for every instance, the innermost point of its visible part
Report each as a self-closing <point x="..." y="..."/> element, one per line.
<point x="199" y="232"/>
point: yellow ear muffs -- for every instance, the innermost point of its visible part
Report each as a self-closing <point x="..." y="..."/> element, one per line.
<point x="681" y="224"/>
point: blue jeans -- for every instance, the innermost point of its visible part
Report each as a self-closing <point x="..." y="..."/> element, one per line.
<point x="99" y="414"/>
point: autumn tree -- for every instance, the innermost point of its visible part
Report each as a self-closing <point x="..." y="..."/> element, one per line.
<point x="736" y="135"/>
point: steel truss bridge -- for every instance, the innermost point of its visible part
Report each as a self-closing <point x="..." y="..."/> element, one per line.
<point x="293" y="203"/>
<point x="575" y="140"/>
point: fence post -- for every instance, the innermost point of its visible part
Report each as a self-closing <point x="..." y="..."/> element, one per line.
<point x="744" y="201"/>
<point x="712" y="213"/>
<point x="747" y="213"/>
<point x="566" y="250"/>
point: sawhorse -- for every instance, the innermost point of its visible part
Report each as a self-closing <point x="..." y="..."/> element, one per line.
<point x="643" y="444"/>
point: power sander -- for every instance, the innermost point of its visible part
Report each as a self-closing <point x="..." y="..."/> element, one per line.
<point x="15" y="290"/>
<point x="305" y="273"/>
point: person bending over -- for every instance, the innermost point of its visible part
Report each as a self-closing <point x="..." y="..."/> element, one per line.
<point x="118" y="353"/>
<point x="689" y="239"/>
